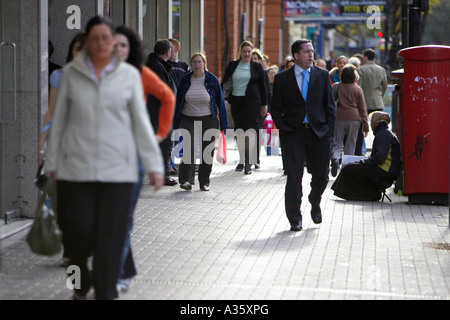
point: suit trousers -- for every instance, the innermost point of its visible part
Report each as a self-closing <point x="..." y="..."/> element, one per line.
<point x="97" y="216"/>
<point x="186" y="171"/>
<point x="299" y="145"/>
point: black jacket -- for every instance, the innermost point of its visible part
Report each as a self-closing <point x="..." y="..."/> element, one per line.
<point x="386" y="152"/>
<point x="256" y="93"/>
<point x="288" y="107"/>
<point x="162" y="69"/>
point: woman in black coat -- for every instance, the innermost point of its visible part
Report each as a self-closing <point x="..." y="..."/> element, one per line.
<point x="364" y="180"/>
<point x="245" y="89"/>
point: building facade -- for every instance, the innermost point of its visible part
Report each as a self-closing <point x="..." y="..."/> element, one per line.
<point x="26" y="27"/>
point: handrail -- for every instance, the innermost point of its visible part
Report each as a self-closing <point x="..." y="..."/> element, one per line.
<point x="3" y="44"/>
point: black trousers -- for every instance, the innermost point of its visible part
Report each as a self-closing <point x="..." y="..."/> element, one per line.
<point x="186" y="172"/>
<point x="297" y="146"/>
<point x="96" y="218"/>
<point x="246" y="117"/>
<point x="166" y="149"/>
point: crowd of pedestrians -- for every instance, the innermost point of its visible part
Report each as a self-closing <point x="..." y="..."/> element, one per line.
<point x="112" y="111"/>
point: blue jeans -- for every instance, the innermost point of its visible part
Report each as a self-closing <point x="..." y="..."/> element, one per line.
<point x="128" y="268"/>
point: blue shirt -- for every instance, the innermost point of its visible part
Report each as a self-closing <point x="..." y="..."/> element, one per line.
<point x="55" y="78"/>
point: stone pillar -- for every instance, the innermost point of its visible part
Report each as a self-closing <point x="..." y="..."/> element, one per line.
<point x="191" y="28"/>
<point x="23" y="23"/>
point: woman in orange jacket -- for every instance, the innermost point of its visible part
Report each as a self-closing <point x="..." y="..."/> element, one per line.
<point x="129" y="49"/>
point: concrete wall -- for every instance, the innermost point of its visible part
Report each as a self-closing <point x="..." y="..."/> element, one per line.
<point x="21" y="24"/>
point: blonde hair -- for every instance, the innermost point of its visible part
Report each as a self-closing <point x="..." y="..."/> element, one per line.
<point x="201" y="55"/>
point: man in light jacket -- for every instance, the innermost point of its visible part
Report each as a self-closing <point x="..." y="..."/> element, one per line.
<point x="373" y="81"/>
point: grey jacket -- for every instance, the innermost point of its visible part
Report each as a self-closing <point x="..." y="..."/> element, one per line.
<point x="99" y="129"/>
<point x="373" y="81"/>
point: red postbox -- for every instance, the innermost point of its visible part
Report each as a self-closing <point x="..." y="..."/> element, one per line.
<point x="425" y="135"/>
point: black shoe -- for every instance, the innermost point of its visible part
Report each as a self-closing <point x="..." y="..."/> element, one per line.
<point x="240" y="167"/>
<point x="257" y="166"/>
<point x="170" y="182"/>
<point x="297" y="227"/>
<point x="316" y="214"/>
<point x="248" y="169"/>
<point x="186" y="186"/>
<point x="334" y="167"/>
<point x="205" y="188"/>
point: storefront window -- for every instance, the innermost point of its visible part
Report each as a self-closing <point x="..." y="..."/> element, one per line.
<point x="176" y="19"/>
<point x="107" y="9"/>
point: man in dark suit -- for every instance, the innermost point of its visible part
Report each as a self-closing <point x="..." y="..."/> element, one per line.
<point x="306" y="118"/>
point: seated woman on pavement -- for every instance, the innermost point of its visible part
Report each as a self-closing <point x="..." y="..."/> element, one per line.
<point x="368" y="178"/>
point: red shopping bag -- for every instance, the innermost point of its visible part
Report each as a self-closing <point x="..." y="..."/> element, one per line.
<point x="221" y="155"/>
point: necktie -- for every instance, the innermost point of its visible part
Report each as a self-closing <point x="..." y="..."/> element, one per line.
<point x="305" y="88"/>
<point x="305" y="84"/>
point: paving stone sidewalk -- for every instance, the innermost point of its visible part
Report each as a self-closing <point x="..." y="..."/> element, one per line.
<point x="234" y="243"/>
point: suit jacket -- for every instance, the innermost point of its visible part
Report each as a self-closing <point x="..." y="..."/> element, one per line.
<point x="256" y="93"/>
<point x="288" y="107"/>
<point x="373" y="81"/>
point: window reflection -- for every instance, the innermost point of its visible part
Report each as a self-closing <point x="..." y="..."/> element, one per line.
<point x="176" y="19"/>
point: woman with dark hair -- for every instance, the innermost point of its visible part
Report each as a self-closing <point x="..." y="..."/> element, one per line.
<point x="99" y="128"/>
<point x="129" y="49"/>
<point x="248" y="96"/>
<point x="351" y="112"/>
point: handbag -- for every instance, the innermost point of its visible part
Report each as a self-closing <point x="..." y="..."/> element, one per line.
<point x="221" y="155"/>
<point x="40" y="178"/>
<point x="45" y="237"/>
<point x="227" y="88"/>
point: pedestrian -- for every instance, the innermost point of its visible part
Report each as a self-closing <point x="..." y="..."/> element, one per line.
<point x="157" y="62"/>
<point x="304" y="111"/>
<point x="331" y="63"/>
<point x="351" y="113"/>
<point x="289" y="64"/>
<point x="286" y="59"/>
<point x="248" y="98"/>
<point x="335" y="73"/>
<point x="99" y="127"/>
<point x="355" y="61"/>
<point x="265" y="62"/>
<point x="199" y="103"/>
<point x="179" y="69"/>
<point x="257" y="56"/>
<point x="373" y="82"/>
<point x="129" y="49"/>
<point x="320" y="63"/>
<point x="365" y="180"/>
<point x="75" y="46"/>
